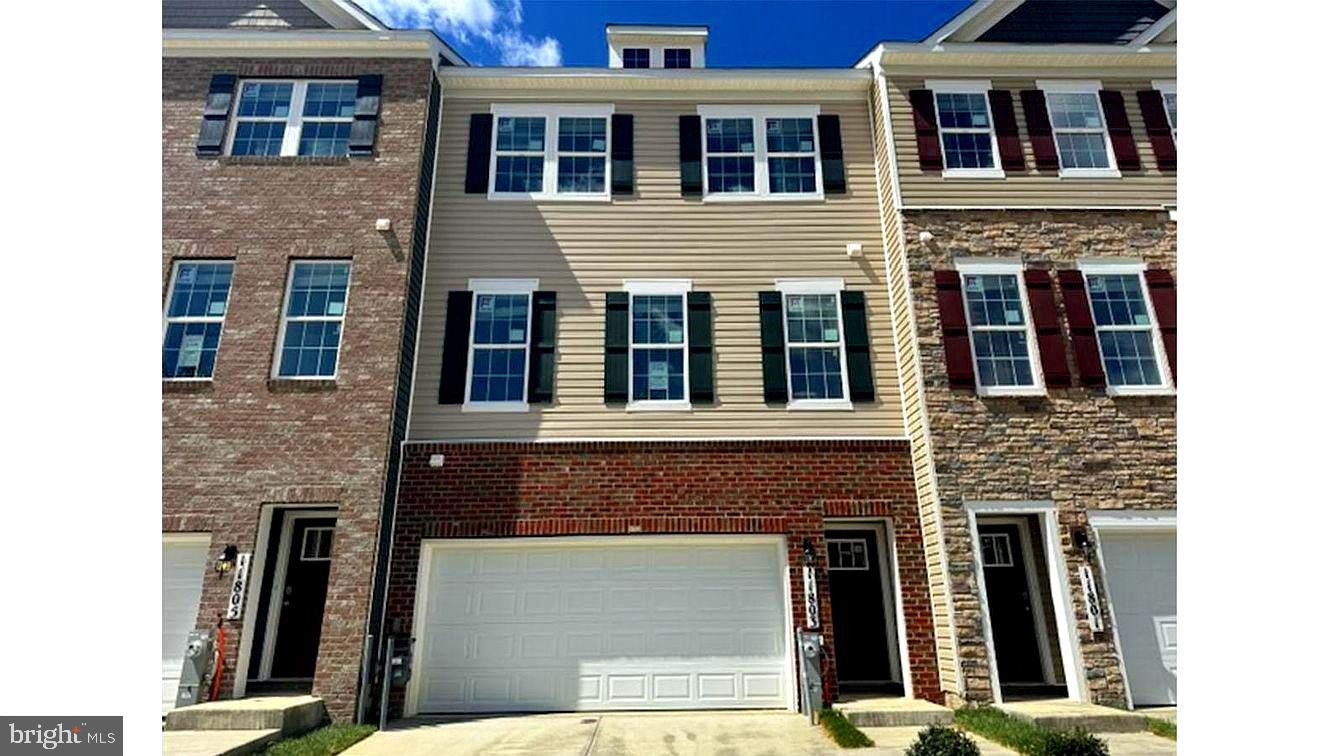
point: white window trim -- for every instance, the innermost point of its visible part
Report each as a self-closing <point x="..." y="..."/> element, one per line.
<point x="285" y="320"/>
<point x="758" y="115"/>
<point x="1121" y="267"/>
<point x="966" y="86"/>
<point x="303" y="547"/>
<point x="550" y="172"/>
<point x="289" y="146"/>
<point x="981" y="267"/>
<point x="658" y="287"/>
<point x="651" y="50"/>
<point x="167" y="321"/>
<point x="478" y="286"/>
<point x="690" y="56"/>
<point x="832" y="286"/>
<point x="833" y="567"/>
<point x="1083" y="87"/>
<point x="1166" y="87"/>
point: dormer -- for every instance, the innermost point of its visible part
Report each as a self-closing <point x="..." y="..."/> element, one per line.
<point x="661" y="46"/>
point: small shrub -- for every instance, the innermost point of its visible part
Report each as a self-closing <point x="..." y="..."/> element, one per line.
<point x="1073" y="743"/>
<point x="937" y="740"/>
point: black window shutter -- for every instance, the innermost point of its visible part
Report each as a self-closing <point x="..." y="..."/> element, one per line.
<point x="622" y="153"/>
<point x="215" y="118"/>
<point x="773" y="376"/>
<point x="832" y="154"/>
<point x="456" y="342"/>
<point x="541" y="356"/>
<point x="478" y="153"/>
<point x="858" y="354"/>
<point x="699" y="306"/>
<point x="616" y="388"/>
<point x="690" y="156"/>
<point x="368" y="101"/>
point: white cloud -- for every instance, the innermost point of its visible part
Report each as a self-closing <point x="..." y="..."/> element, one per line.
<point x="471" y="22"/>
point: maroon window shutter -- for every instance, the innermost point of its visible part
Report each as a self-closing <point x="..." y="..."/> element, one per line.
<point x="1154" y="112"/>
<point x="1117" y="123"/>
<point x="1005" y="130"/>
<point x="1039" y="131"/>
<point x="1162" y="290"/>
<point x="926" y="130"/>
<point x="956" y="337"/>
<point x="1049" y="337"/>
<point x="1082" y="332"/>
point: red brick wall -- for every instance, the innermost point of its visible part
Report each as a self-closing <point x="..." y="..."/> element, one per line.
<point x="573" y="488"/>
<point x="243" y="440"/>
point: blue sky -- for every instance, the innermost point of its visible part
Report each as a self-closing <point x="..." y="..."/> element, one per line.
<point x="742" y="32"/>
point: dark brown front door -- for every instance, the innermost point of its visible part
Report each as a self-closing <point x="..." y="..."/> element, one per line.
<point x="303" y="596"/>
<point x="858" y="607"/>
<point x="1009" y="598"/>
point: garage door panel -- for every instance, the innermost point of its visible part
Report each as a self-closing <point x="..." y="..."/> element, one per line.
<point x="184" y="562"/>
<point x="1141" y="581"/>
<point x="632" y="624"/>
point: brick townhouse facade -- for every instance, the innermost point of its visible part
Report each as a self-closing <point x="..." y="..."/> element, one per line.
<point x="295" y="147"/>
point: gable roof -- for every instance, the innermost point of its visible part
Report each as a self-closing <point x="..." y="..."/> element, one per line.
<point x="1117" y="22"/>
<point x="268" y="15"/>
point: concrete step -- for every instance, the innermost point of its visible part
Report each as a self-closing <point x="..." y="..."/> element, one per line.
<point x="287" y="714"/>
<point x="217" y="742"/>
<point x="892" y="711"/>
<point x="1067" y="715"/>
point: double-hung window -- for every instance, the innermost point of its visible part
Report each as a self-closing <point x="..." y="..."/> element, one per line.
<point x="814" y="343"/>
<point x="501" y="315"/>
<point x="677" y="57"/>
<point x="966" y="129"/>
<point x="310" y="118"/>
<point x="1131" y="345"/>
<point x="1002" y="340"/>
<point x="198" y="298"/>
<point x="314" y="315"/>
<point x="1079" y="126"/>
<point x="551" y="152"/>
<point x="635" y="57"/>
<point x="659" y="359"/>
<point x="1167" y="88"/>
<point x="753" y="152"/>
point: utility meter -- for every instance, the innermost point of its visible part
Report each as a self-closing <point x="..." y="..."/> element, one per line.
<point x="809" y="659"/>
<point x="197" y="665"/>
<point x="400" y="661"/>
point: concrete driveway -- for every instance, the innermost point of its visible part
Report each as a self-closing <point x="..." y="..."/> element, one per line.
<point x="604" y="734"/>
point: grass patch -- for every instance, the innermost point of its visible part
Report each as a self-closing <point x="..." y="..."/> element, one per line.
<point x="1164" y="727"/>
<point x="842" y="732"/>
<point x="323" y="741"/>
<point x="1018" y="734"/>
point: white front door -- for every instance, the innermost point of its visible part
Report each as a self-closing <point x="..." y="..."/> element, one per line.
<point x="1141" y="578"/>
<point x="640" y="622"/>
<point x="184" y="560"/>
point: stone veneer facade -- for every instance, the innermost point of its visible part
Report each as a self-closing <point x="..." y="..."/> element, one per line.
<point x="1076" y="447"/>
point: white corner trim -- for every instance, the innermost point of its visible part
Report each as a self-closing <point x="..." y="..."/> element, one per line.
<point x="809" y="285"/>
<point x="656" y="285"/>
<point x="988" y="265"/>
<point x="502" y="285"/>
<point x="1069" y="85"/>
<point x="1132" y="519"/>
<point x="963" y="86"/>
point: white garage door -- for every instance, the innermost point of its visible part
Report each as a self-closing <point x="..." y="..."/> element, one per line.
<point x="184" y="559"/>
<point x="1141" y="576"/>
<point x="602" y="623"/>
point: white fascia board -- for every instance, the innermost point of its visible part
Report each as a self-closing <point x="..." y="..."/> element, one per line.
<point x="831" y="84"/>
<point x="975" y="20"/>
<point x="197" y="43"/>
<point x="1154" y="31"/>
<point x="692" y="74"/>
<point x="344" y="14"/>
<point x="993" y="55"/>
<point x="656" y="31"/>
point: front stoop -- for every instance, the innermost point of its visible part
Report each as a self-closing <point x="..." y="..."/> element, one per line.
<point x="217" y="742"/>
<point x="892" y="711"/>
<point x="288" y="714"/>
<point x="1067" y="715"/>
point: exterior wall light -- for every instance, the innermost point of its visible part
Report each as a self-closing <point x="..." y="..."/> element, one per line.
<point x="226" y="561"/>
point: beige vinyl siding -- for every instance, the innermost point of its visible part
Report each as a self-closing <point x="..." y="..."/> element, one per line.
<point x="581" y="250"/>
<point x="907" y="356"/>
<point x="1147" y="187"/>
